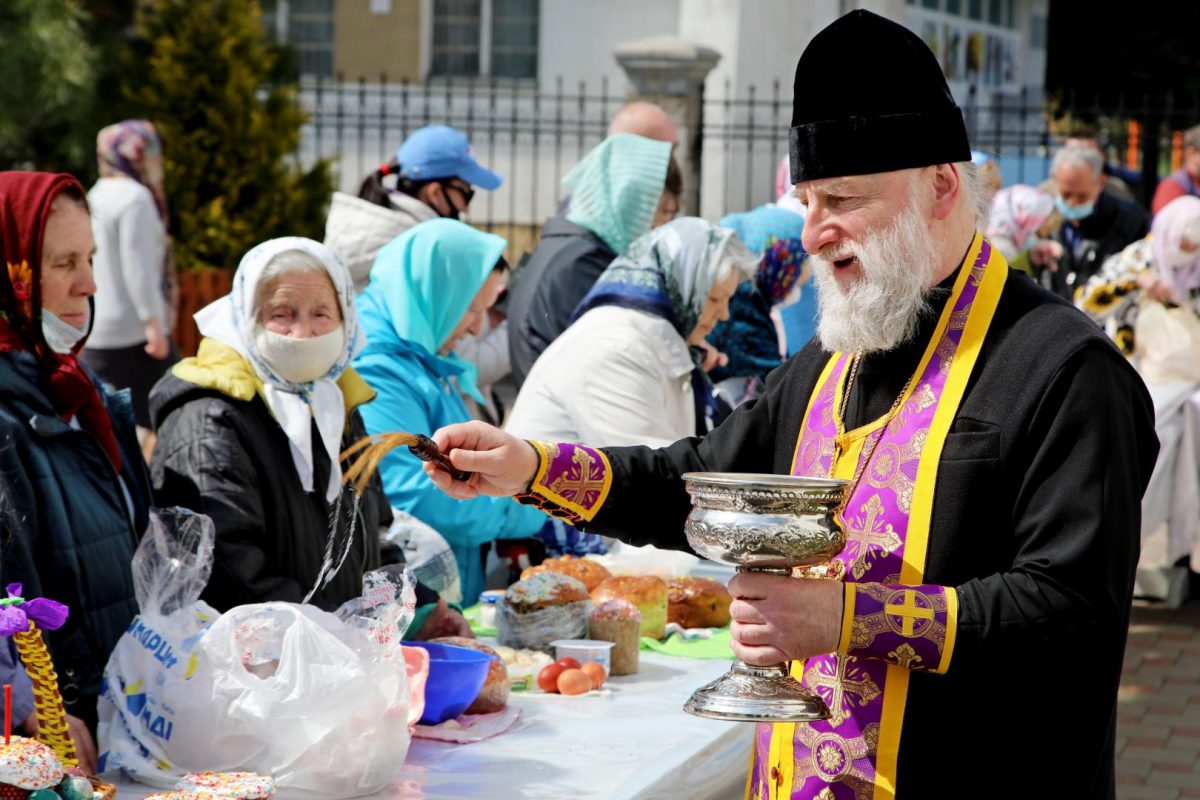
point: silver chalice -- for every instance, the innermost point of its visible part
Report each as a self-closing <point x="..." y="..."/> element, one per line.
<point x="772" y="524"/>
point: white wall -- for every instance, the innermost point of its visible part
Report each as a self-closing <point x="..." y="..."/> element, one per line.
<point x="577" y="38"/>
<point x="759" y="42"/>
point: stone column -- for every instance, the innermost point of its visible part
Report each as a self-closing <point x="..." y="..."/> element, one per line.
<point x="670" y="72"/>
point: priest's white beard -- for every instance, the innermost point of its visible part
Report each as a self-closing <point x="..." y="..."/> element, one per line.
<point x="883" y="307"/>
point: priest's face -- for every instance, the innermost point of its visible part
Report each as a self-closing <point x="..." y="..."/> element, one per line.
<point x="873" y="256"/>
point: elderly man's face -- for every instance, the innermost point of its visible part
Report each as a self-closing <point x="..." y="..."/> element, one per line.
<point x="873" y="255"/>
<point x="845" y="211"/>
<point x="1077" y="184"/>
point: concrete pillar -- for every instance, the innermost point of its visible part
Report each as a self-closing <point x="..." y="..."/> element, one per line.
<point x="670" y="72"/>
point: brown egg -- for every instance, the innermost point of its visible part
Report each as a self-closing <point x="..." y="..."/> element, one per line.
<point x="574" y="681"/>
<point x="595" y="672"/>
<point x="547" y="679"/>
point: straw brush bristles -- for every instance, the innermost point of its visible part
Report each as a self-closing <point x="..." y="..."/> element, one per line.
<point x="373" y="450"/>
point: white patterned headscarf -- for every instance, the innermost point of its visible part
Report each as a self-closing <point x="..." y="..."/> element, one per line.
<point x="232" y="320"/>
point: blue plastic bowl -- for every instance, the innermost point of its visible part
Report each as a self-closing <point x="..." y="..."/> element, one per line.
<point x="456" y="674"/>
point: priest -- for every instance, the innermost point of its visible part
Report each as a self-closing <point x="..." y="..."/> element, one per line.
<point x="996" y="443"/>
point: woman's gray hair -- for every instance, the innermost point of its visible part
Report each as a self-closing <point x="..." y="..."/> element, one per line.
<point x="289" y="262"/>
<point x="736" y="258"/>
<point x="1075" y="155"/>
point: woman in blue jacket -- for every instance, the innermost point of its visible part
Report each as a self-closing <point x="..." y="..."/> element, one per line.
<point x="430" y="287"/>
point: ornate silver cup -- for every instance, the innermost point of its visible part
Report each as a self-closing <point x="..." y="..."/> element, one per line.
<point x="762" y="523"/>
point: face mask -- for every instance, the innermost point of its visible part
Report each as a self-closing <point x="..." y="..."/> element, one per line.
<point x="60" y="336"/>
<point x="1074" y="213"/>
<point x="300" y="360"/>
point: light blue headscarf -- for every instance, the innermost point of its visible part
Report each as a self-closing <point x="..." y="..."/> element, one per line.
<point x="615" y="188"/>
<point x="422" y="284"/>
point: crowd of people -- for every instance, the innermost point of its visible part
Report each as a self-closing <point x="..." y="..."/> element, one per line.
<point x="627" y="326"/>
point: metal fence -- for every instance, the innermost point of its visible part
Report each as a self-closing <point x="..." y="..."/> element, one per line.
<point x="533" y="136"/>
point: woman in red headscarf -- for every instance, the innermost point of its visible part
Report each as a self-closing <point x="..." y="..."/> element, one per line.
<point x="77" y="492"/>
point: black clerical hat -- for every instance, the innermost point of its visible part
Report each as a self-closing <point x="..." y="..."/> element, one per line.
<point x="870" y="97"/>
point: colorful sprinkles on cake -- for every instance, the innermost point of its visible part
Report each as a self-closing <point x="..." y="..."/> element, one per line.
<point x="617" y="609"/>
<point x="29" y="764"/>
<point x="240" y="785"/>
<point x="545" y="587"/>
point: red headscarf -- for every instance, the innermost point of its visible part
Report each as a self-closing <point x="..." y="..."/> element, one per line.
<point x="25" y="201"/>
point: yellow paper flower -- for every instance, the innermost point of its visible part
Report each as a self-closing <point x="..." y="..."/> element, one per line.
<point x="20" y="276"/>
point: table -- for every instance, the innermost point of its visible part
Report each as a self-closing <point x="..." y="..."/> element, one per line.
<point x="631" y="740"/>
<point x="1171" y="505"/>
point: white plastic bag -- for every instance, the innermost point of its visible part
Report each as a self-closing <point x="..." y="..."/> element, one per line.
<point x="322" y="702"/>
<point x="627" y="559"/>
<point x="1168" y="343"/>
<point x="427" y="553"/>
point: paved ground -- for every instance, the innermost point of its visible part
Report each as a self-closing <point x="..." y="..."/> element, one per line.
<point x="1158" y="731"/>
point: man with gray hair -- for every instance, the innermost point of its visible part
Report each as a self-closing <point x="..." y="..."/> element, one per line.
<point x="1095" y="225"/>
<point x="1186" y="179"/>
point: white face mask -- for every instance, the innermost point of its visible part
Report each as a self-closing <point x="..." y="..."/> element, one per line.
<point x="300" y="360"/>
<point x="60" y="336"/>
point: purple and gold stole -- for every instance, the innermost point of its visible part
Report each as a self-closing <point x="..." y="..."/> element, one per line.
<point x="892" y="623"/>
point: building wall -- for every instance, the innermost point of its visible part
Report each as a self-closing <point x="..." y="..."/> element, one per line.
<point x="577" y="39"/>
<point x="533" y="145"/>
<point x="373" y="38"/>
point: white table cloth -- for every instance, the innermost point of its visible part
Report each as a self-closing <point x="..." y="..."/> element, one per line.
<point x="631" y="740"/>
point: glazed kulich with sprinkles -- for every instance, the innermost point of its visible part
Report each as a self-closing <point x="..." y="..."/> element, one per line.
<point x="230" y="785"/>
<point x="183" y="795"/>
<point x="27" y="765"/>
<point x="543" y="590"/>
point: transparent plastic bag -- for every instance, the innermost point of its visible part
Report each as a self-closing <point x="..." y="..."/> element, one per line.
<point x="322" y="702"/>
<point x="173" y="561"/>
<point x="427" y="553"/>
<point x="535" y="630"/>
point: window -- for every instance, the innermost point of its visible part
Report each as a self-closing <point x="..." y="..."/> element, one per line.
<point x="456" y="39"/>
<point x="933" y="4"/>
<point x="474" y="38"/>
<point x="954" y="7"/>
<point x="975" y="9"/>
<point x="306" y="25"/>
<point x="996" y="12"/>
<point x="514" y="38"/>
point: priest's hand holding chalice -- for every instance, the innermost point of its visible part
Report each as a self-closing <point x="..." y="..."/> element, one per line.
<point x="765" y="525"/>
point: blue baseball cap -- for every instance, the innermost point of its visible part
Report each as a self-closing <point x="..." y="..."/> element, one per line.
<point x="437" y="152"/>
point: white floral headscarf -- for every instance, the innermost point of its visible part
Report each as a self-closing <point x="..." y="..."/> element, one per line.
<point x="231" y="320"/>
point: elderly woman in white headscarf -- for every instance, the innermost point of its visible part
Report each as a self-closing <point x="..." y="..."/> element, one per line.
<point x="1015" y="215"/>
<point x="1162" y="267"/>
<point x="628" y="369"/>
<point x="251" y="428"/>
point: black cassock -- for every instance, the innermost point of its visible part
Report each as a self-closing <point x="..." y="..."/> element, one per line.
<point x="1036" y="523"/>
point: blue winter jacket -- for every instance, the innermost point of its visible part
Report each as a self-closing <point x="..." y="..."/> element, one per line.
<point x="416" y="395"/>
<point x="66" y="523"/>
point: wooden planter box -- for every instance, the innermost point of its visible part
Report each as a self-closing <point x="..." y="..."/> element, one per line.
<point x="197" y="288"/>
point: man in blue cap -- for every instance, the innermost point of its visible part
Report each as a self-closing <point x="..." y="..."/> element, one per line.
<point x="436" y="162"/>
<point x="433" y="175"/>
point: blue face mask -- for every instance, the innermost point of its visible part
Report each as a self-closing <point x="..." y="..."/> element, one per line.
<point x="1074" y="213"/>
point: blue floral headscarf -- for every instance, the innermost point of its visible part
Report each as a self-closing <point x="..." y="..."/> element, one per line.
<point x="670" y="272"/>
